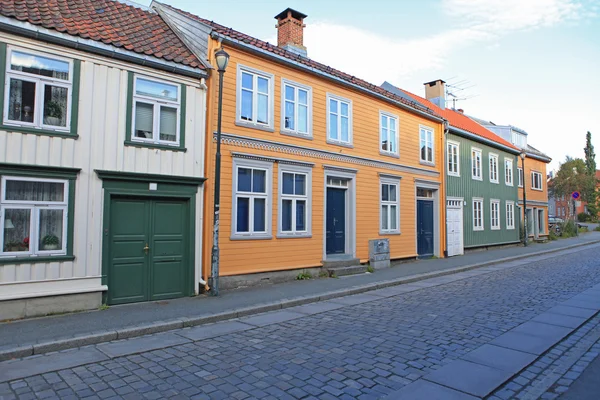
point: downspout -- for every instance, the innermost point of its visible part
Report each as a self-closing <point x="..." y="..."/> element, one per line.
<point x="205" y="88"/>
<point x="445" y="178"/>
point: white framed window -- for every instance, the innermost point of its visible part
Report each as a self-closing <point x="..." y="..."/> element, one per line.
<point x="536" y="180"/>
<point x="453" y="156"/>
<point x="156" y="111"/>
<point x="251" y="199"/>
<point x="477" y="214"/>
<point x="508" y="172"/>
<point x="295" y="196"/>
<point x="426" y="145"/>
<point x="296" y="108"/>
<point x="389" y="199"/>
<point x="510" y="215"/>
<point x="388" y="134"/>
<point x="33" y="213"/>
<point x="339" y="120"/>
<point x="493" y="168"/>
<point x="255" y="92"/>
<point x="520" y="171"/>
<point x="495" y="214"/>
<point x="38" y="90"/>
<point x="476" y="164"/>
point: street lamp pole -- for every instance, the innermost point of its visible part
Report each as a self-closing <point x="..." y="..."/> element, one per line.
<point x="523" y="155"/>
<point x="222" y="58"/>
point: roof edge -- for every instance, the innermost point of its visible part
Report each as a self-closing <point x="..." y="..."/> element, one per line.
<point x="483" y="140"/>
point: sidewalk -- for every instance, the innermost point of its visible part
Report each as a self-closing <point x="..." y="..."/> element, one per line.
<point x="41" y="335"/>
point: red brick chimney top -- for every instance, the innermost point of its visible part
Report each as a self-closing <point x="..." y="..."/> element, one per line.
<point x="290" y="31"/>
<point x="460" y="110"/>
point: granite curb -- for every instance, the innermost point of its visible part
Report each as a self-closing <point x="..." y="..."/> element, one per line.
<point x="26" y="350"/>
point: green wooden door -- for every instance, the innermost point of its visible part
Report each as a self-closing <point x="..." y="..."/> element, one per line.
<point x="148" y="249"/>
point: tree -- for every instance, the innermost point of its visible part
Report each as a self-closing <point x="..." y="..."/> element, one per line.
<point x="590" y="156"/>
<point x="571" y="177"/>
<point x="589" y="192"/>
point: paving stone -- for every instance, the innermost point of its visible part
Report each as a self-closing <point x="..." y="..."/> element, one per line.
<point x="271" y="318"/>
<point x="500" y="358"/>
<point x="140" y="344"/>
<point x="213" y="330"/>
<point x="424" y="390"/>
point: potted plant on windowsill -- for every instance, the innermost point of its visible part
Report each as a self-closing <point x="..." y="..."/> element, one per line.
<point x="53" y="113"/>
<point x="12" y="246"/>
<point x="50" y="242"/>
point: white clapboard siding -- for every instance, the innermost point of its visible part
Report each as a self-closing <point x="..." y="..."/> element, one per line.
<point x="101" y="129"/>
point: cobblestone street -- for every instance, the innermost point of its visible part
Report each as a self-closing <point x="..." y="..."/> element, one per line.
<point x="358" y="347"/>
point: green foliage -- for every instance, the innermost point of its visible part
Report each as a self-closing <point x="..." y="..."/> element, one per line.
<point x="104" y="307"/>
<point x="54" y="109"/>
<point x="552" y="235"/>
<point x="590" y="156"/>
<point x="370" y="269"/>
<point x="323" y="274"/>
<point x="583" y="217"/>
<point x="304" y="275"/>
<point x="589" y="192"/>
<point x="597" y="228"/>
<point x="568" y="229"/>
<point x="50" y="239"/>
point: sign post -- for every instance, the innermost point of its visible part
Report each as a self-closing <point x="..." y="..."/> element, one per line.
<point x="575" y="195"/>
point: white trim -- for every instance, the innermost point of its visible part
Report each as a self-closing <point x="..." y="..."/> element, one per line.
<point x="521" y="176"/>
<point x="510" y="222"/>
<point x="389" y="204"/>
<point x="427" y="129"/>
<point x="458" y="205"/>
<point x="271" y="95"/>
<point x="435" y="187"/>
<point x="494" y="202"/>
<point x="350" y="209"/>
<point x="451" y="143"/>
<point x="309" y="99"/>
<point x="541" y="187"/>
<point x="54" y="287"/>
<point x="340" y="100"/>
<point x="252" y="164"/>
<point x="396" y="142"/>
<point x="478" y="200"/>
<point x="493" y="157"/>
<point x="294" y="169"/>
<point x="475" y="151"/>
<point x="508" y="182"/>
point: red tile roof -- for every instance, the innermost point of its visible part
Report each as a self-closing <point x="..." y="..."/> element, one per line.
<point x="107" y="21"/>
<point x="459" y="120"/>
<point x="307" y="62"/>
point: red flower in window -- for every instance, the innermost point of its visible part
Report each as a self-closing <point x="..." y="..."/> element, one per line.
<point x="26" y="241"/>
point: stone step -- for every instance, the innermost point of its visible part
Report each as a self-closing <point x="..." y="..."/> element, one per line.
<point x="347" y="270"/>
<point x="340" y="262"/>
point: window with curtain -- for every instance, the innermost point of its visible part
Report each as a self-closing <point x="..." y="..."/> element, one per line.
<point x="476" y="164"/>
<point x="453" y="159"/>
<point x="508" y="172"/>
<point x="389" y="202"/>
<point x="294" y="201"/>
<point x="255" y="97"/>
<point x="494" y="168"/>
<point x="477" y="214"/>
<point x="33" y="213"/>
<point x="495" y="214"/>
<point x="296" y="108"/>
<point x="39" y="90"/>
<point x="426" y="145"/>
<point x="339" y="121"/>
<point x="251" y="200"/>
<point x="510" y="215"/>
<point x="156" y="106"/>
<point x="388" y="133"/>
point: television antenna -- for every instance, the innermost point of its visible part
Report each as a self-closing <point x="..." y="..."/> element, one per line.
<point x="458" y="90"/>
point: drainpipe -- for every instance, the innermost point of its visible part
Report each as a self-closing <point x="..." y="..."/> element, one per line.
<point x="445" y="175"/>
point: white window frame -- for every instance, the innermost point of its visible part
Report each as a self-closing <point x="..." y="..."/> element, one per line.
<point x="339" y="140"/>
<point x="477" y="227"/>
<point x="40" y="81"/>
<point x="309" y="99"/>
<point x="427" y="131"/>
<point x="495" y="208"/>
<point x="533" y="187"/>
<point x="238" y="115"/>
<point x="252" y="164"/>
<point x="510" y="214"/>
<point x="389" y="116"/>
<point x="478" y="155"/>
<point x="396" y="182"/>
<point x="35" y="207"/>
<point x="449" y="155"/>
<point x="521" y="176"/>
<point x="294" y="233"/>
<point x="493" y="165"/>
<point x="508" y="172"/>
<point x="156" y="107"/>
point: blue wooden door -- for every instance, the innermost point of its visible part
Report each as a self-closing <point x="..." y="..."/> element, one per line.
<point x="335" y="242"/>
<point x="425" y="228"/>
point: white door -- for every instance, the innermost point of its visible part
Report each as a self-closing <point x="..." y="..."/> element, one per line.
<point x="454" y="224"/>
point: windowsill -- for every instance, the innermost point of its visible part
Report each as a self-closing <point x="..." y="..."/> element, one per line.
<point x="252" y="125"/>
<point x="251" y="237"/>
<point x="292" y="236"/>
<point x="495" y="182"/>
<point x="37" y="131"/>
<point x="383" y="233"/>
<point x="35" y="260"/>
<point x="296" y="134"/>
<point x="537" y="190"/>
<point x="385" y="153"/>
<point x="476" y="178"/>
<point x="521" y="186"/>
<point x="510" y="228"/>
<point x="478" y="229"/>
<point x="508" y="184"/>
<point x="428" y="163"/>
<point x="455" y="175"/>
<point x="495" y="229"/>
<point x="154" y="146"/>
<point x="338" y="143"/>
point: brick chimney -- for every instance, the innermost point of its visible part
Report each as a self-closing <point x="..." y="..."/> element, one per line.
<point x="290" y="31"/>
<point x="435" y="91"/>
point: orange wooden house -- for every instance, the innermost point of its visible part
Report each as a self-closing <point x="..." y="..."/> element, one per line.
<point x="315" y="162"/>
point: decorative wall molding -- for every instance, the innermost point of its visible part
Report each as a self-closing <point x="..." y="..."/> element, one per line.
<point x="340" y="169"/>
<point x="390" y="176"/>
<point x="534" y="203"/>
<point x="271" y="159"/>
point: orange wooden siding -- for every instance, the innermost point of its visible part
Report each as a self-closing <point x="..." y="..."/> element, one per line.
<point x="532" y="164"/>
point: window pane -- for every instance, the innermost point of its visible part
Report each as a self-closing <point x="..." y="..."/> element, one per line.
<point x="290" y="123"/>
<point x="300" y="184"/>
<point x="55" y="105"/>
<point x="159" y="90"/>
<point x="51" y="230"/>
<point x="393" y="216"/>
<point x="247" y="81"/>
<point x="168" y="124"/>
<point x="246" y="105"/>
<point x="35" y="191"/>
<point x="21" y="100"/>
<point x="259" y="215"/>
<point x="39" y="65"/>
<point x="303" y="119"/>
<point x="345" y="135"/>
<point x="344" y="109"/>
<point x="392" y="192"/>
<point x="393" y="124"/>
<point x="302" y="97"/>
<point x="384" y="217"/>
<point x="333" y="106"/>
<point x="333" y="127"/>
<point x="423" y="152"/>
<point x="430" y="154"/>
<point x="16" y="229"/>
<point x="301" y="215"/>
<point x="144" y="117"/>
<point x="385" y="192"/>
<point x="392" y="145"/>
<point x="289" y="93"/>
<point x="243" y="214"/>
<point x="263" y="85"/>
<point x="263" y="109"/>
<point x="286" y="215"/>
<point x="259" y="181"/>
<point x="288" y="183"/>
<point x="384" y="121"/>
<point x="244" y="180"/>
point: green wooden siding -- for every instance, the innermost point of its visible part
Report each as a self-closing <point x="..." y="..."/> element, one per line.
<point x="466" y="187"/>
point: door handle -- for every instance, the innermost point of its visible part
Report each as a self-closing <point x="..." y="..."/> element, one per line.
<point x="146" y="249"/>
<point x="335" y="221"/>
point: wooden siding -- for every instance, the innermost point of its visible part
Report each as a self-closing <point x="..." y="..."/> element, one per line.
<point x="533" y="195"/>
<point x="466" y="187"/>
<point x="100" y="145"/>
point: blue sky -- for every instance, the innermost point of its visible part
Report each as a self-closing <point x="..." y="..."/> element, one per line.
<point x="534" y="64"/>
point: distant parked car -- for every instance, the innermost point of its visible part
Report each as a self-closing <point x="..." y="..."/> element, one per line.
<point x="555" y="220"/>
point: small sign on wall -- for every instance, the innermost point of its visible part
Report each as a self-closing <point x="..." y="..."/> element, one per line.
<point x="153" y="186"/>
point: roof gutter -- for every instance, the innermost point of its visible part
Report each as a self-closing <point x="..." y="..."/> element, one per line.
<point x="47" y="35"/>
<point x="484" y="140"/>
<point x="265" y="53"/>
<point x="538" y="157"/>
